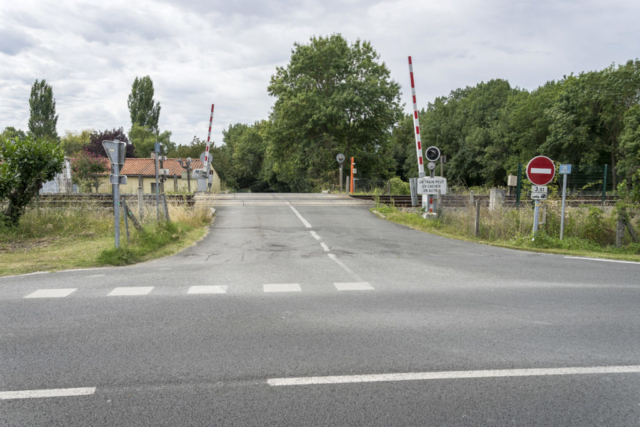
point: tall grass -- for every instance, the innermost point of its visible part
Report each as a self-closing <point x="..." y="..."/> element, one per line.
<point x="87" y="222"/>
<point x="586" y="228"/>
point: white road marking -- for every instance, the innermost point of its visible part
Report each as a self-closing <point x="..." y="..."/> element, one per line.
<point x="315" y="235"/>
<point x="207" y="290"/>
<point x="324" y="246"/>
<point x="54" y="392"/>
<point x="601" y="259"/>
<point x="452" y="375"/>
<point x="130" y="291"/>
<point x="304" y="221"/>
<point x="287" y="287"/>
<point x="27" y="274"/>
<point x="52" y="293"/>
<point x="81" y="269"/>
<point x="97" y="275"/>
<point x="354" y="286"/>
<point x="347" y="269"/>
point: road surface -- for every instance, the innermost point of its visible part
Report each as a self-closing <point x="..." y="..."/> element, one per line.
<point x="299" y="310"/>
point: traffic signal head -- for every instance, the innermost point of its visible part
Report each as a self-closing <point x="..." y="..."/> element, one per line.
<point x="432" y="154"/>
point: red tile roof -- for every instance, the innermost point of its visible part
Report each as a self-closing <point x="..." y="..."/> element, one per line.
<point x="146" y="167"/>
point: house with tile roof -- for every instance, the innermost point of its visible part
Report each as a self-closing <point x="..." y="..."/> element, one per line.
<point x="141" y="173"/>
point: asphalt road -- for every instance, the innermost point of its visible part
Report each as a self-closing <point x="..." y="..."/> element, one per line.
<point x="323" y="314"/>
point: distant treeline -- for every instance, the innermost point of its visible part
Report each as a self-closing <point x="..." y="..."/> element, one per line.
<point x="345" y="102"/>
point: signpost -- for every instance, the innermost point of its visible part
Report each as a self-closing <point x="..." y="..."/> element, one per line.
<point x="340" y="159"/>
<point x="353" y="170"/>
<point x="116" y="151"/>
<point x="540" y="172"/>
<point x="564" y="171"/>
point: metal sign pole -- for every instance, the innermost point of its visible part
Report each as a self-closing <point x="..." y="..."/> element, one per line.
<point x="341" y="177"/>
<point x="564" y="200"/>
<point x="351" y="183"/>
<point x="536" y="212"/>
<point x="157" y="148"/>
<point x="116" y="204"/>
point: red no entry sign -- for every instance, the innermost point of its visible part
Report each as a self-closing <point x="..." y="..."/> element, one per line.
<point x="541" y="170"/>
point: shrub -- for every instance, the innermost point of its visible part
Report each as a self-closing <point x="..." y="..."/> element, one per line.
<point x="25" y="164"/>
<point x="399" y="187"/>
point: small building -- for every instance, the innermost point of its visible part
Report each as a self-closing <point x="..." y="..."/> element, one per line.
<point x="62" y="182"/>
<point x="142" y="172"/>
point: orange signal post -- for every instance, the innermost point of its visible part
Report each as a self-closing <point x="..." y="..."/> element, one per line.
<point x="351" y="185"/>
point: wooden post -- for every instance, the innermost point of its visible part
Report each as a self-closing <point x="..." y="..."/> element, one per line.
<point x="471" y="202"/>
<point x="140" y="197"/>
<point x="619" y="231"/>
<point x="175" y="183"/>
<point x="476" y="225"/>
<point x="126" y="217"/>
<point x="166" y="208"/>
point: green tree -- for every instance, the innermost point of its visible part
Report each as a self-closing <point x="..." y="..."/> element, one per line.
<point x="12" y="133"/>
<point x="332" y="97"/>
<point x="25" y="164"/>
<point x="74" y="142"/>
<point x="193" y="149"/>
<point x="144" y="111"/>
<point x="144" y="139"/>
<point x="86" y="168"/>
<point x="43" y="119"/>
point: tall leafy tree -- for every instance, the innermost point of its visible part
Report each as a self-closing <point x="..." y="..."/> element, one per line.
<point x="144" y="111"/>
<point x="144" y="139"/>
<point x="43" y="119"/>
<point x="74" y="142"/>
<point x="95" y="142"/>
<point x="332" y="97"/>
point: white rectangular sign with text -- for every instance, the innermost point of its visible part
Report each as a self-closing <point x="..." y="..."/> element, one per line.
<point x="432" y="185"/>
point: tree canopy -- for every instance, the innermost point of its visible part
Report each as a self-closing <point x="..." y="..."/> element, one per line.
<point x="144" y="111"/>
<point x="43" y="118"/>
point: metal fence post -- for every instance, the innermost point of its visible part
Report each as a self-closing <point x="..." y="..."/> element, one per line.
<point x="126" y="216"/>
<point x="476" y="224"/>
<point x="604" y="186"/>
<point x="519" y="185"/>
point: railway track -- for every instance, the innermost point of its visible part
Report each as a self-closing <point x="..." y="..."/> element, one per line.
<point x="462" y="201"/>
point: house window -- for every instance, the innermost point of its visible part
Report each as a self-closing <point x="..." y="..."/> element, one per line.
<point x="153" y="188"/>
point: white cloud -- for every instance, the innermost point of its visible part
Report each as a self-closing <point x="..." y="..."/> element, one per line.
<point x="201" y="52"/>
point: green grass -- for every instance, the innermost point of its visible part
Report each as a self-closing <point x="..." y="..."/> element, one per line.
<point x="496" y="229"/>
<point x="82" y="237"/>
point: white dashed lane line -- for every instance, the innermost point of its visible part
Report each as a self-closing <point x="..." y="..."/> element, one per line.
<point x="54" y="392"/>
<point x="452" y="375"/>
<point x="324" y="246"/>
<point x="207" y="290"/>
<point x="304" y="221"/>
<point x="315" y="235"/>
<point x="52" y="293"/>
<point x="344" y="267"/>
<point x="131" y="291"/>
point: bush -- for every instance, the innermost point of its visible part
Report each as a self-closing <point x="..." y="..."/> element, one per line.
<point x="399" y="187"/>
<point x="25" y="164"/>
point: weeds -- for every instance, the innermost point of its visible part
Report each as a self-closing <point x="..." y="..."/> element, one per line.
<point x="587" y="229"/>
<point x="82" y="236"/>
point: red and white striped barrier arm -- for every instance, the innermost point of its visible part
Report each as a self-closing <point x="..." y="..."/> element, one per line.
<point x="416" y="122"/>
<point x="206" y="150"/>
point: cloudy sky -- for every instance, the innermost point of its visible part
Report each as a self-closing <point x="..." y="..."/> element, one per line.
<point x="200" y="52"/>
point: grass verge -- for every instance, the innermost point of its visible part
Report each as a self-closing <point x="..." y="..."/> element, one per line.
<point x="82" y="237"/>
<point x="455" y="228"/>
